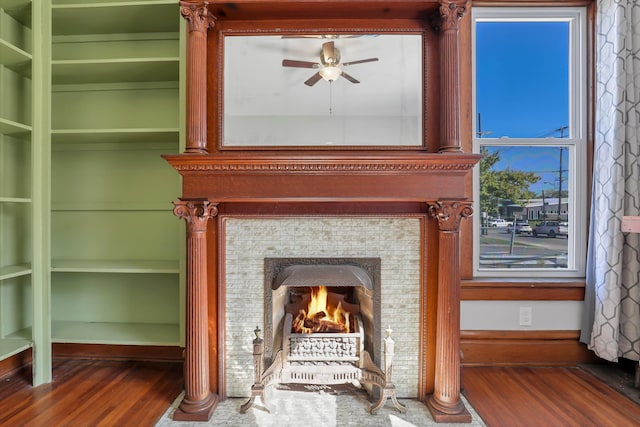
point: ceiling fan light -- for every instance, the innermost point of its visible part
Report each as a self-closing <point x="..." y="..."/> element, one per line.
<point x="330" y="73"/>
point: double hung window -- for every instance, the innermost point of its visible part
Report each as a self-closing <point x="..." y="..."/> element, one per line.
<point x="529" y="89"/>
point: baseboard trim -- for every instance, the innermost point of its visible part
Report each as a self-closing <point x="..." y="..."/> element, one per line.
<point x="533" y="348"/>
<point x="117" y="352"/>
<point x="12" y="364"/>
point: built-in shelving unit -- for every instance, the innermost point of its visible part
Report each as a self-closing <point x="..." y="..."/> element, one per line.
<point x="16" y="177"/>
<point x="115" y="101"/>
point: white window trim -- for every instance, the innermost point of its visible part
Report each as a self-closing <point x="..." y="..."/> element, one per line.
<point x="576" y="142"/>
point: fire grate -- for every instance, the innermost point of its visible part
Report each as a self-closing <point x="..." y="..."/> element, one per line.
<point x="319" y="359"/>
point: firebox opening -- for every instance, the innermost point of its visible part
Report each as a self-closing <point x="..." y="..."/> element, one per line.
<point x="353" y="284"/>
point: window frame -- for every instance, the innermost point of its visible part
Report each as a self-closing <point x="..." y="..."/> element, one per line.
<point x="576" y="142"/>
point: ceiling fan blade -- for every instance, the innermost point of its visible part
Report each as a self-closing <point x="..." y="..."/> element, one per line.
<point x="298" y="64"/>
<point x="329" y="53"/>
<point x="360" y="61"/>
<point x="348" y="77"/>
<point x="313" y="79"/>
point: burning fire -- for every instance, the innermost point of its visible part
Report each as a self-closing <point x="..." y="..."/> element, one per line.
<point x="320" y="316"/>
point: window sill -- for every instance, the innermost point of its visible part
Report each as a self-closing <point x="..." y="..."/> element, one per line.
<point x="499" y="289"/>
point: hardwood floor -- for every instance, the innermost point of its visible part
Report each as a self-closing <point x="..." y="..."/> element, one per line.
<point x="91" y="393"/>
<point x="538" y="396"/>
<point x="104" y="393"/>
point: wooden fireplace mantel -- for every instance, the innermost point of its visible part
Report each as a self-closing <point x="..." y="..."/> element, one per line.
<point x="305" y="177"/>
<point x="432" y="179"/>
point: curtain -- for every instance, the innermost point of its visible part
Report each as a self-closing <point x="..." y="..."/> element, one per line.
<point x="611" y="327"/>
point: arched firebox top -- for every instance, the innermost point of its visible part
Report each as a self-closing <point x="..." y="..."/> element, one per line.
<point x="322" y="275"/>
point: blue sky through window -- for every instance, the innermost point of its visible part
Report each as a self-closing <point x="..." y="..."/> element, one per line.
<point x="522" y="77"/>
<point x="522" y="91"/>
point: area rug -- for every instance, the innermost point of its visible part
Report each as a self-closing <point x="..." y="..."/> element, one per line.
<point x="320" y="408"/>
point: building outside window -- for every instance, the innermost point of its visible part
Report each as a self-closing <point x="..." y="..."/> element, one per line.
<point x="529" y="68"/>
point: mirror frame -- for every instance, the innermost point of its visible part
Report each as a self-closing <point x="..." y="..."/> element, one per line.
<point x="429" y="89"/>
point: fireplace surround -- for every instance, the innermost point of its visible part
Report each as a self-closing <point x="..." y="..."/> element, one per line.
<point x="219" y="187"/>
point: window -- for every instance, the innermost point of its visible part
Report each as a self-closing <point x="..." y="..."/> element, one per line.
<point x="530" y="123"/>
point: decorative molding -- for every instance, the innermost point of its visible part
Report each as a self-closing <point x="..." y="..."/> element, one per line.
<point x="531" y="348"/>
<point x="224" y="166"/>
<point x="450" y="14"/>
<point x="449" y="213"/>
<point x="195" y="212"/>
<point x="197" y="15"/>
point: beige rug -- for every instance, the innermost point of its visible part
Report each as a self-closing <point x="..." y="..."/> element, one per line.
<point x="316" y="409"/>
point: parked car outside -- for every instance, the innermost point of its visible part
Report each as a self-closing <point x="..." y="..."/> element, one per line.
<point x="551" y="229"/>
<point x="500" y="222"/>
<point x="522" y="227"/>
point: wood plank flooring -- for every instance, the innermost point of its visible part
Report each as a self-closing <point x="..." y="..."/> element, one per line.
<point x="538" y="396"/>
<point x="104" y="393"/>
<point x="91" y="393"/>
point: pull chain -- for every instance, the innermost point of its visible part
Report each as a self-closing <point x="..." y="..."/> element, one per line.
<point x="330" y="98"/>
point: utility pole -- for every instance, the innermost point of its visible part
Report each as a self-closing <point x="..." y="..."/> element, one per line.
<point x="480" y="133"/>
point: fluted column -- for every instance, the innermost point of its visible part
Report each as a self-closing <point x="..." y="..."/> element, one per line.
<point x="451" y="12"/>
<point x="198" y="403"/>
<point x="199" y="21"/>
<point x="445" y="404"/>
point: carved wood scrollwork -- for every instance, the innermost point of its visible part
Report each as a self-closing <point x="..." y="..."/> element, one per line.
<point x="449" y="213"/>
<point x="197" y="15"/>
<point x="195" y="212"/>
<point x="451" y="12"/>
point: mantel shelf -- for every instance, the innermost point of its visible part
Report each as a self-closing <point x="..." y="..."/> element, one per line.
<point x="385" y="176"/>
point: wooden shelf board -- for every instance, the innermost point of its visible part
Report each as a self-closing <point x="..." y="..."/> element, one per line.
<point x="99" y="17"/>
<point x="18" y="9"/>
<point x="94" y="136"/>
<point x="15" y="200"/>
<point x="11" y="128"/>
<point x="124" y="266"/>
<point x="14" y="4"/>
<point x="15" y="58"/>
<point x="115" y="333"/>
<point x="11" y="271"/>
<point x="12" y="346"/>
<point x="106" y="206"/>
<point x="115" y="70"/>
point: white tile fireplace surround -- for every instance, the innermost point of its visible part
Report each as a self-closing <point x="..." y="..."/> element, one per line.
<point x="248" y="241"/>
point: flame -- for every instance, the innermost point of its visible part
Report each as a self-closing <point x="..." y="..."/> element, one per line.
<point x="320" y="316"/>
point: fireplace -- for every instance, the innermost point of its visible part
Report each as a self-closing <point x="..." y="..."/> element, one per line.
<point x="244" y="205"/>
<point x="322" y="318"/>
<point x="257" y="251"/>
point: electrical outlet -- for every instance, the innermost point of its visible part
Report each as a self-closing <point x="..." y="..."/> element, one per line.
<point x="526" y="316"/>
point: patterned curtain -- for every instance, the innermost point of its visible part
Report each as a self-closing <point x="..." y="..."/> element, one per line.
<point x="611" y="327"/>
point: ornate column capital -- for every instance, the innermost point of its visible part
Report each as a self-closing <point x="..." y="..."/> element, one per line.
<point x="449" y="213"/>
<point x="197" y="14"/>
<point x="450" y="13"/>
<point x="195" y="212"/>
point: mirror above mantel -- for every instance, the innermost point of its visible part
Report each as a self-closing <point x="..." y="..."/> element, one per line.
<point x="277" y="90"/>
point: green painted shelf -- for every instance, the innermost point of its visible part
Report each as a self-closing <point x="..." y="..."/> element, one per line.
<point x="115" y="266"/>
<point x="11" y="271"/>
<point x="115" y="333"/>
<point x="115" y="70"/>
<point x="12" y="346"/>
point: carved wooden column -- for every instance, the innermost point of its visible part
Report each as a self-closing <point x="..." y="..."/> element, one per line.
<point x="445" y="404"/>
<point x="199" y="22"/>
<point x="450" y="14"/>
<point x="198" y="403"/>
